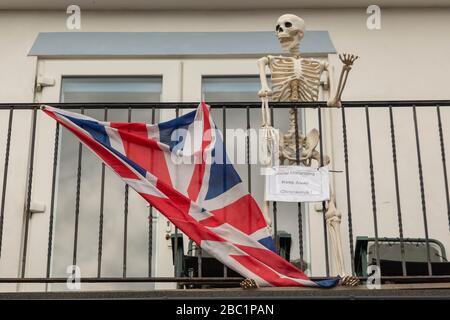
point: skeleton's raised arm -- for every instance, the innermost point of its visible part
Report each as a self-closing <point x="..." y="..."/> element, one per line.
<point x="335" y="98"/>
<point x="265" y="90"/>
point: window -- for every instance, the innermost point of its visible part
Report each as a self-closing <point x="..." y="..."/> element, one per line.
<point x="111" y="89"/>
<point x="100" y="89"/>
<point x="230" y="88"/>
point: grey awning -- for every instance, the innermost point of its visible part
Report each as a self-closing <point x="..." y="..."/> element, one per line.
<point x="142" y="44"/>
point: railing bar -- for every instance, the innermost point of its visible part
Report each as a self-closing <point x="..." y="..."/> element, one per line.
<point x="150" y="240"/>
<point x="177" y="113"/>
<point x="372" y="187"/>
<point x="150" y="220"/>
<point x="422" y="190"/>
<point x="125" y="233"/>
<point x="77" y="200"/>
<point x="52" y="201"/>
<point x="274" y="203"/>
<point x="224" y="161"/>
<point x="5" y="175"/>
<point x="241" y="105"/>
<point x="325" y="230"/>
<point x="29" y="189"/>
<point x="275" y="225"/>
<point x="347" y="184"/>
<point x="102" y="208"/>
<point x="199" y="261"/>
<point x="299" y="205"/>
<point x="249" y="167"/>
<point x="397" y="191"/>
<point x="125" y="218"/>
<point x="444" y="162"/>
<point x="204" y="280"/>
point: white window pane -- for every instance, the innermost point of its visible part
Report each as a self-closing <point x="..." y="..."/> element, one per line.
<point x="230" y="88"/>
<point x="111" y="89"/>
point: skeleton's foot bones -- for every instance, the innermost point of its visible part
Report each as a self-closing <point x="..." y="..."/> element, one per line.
<point x="248" y="284"/>
<point x="349" y="281"/>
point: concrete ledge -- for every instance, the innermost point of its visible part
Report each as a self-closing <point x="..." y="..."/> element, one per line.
<point x="410" y="291"/>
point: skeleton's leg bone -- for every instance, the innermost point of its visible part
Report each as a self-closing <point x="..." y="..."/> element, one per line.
<point x="334" y="233"/>
<point x="333" y="218"/>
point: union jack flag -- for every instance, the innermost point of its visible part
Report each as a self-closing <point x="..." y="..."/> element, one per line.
<point x="192" y="182"/>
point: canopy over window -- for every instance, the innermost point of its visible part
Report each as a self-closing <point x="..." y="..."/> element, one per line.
<point x="163" y="44"/>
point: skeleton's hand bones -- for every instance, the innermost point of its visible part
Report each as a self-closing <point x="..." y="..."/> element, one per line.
<point x="347" y="59"/>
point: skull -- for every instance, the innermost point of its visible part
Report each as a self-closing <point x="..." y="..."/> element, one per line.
<point x="290" y="30"/>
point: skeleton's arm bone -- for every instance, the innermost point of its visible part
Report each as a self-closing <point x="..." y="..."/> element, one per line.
<point x="265" y="90"/>
<point x="333" y="98"/>
<point x="330" y="77"/>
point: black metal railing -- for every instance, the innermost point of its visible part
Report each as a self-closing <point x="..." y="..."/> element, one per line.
<point x="346" y="203"/>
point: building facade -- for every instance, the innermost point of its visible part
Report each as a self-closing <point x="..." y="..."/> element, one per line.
<point x="177" y="52"/>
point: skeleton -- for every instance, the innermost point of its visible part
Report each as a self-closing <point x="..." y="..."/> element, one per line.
<point x="297" y="79"/>
<point x="294" y="79"/>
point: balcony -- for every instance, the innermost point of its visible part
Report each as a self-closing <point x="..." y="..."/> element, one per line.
<point x="389" y="171"/>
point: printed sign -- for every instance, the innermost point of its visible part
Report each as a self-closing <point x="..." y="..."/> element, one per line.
<point x="297" y="184"/>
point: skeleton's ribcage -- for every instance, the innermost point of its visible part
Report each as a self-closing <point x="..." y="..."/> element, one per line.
<point x="295" y="79"/>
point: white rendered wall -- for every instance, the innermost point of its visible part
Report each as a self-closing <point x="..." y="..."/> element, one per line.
<point x="407" y="59"/>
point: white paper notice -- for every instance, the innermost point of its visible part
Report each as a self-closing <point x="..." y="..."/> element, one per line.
<point x="297" y="184"/>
